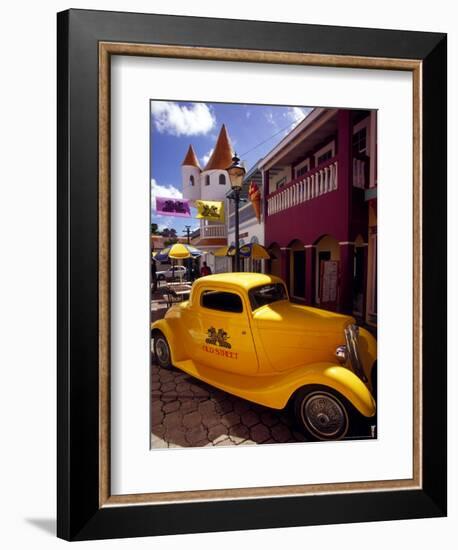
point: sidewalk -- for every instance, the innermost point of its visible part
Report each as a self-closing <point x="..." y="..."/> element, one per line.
<point x="188" y="413"/>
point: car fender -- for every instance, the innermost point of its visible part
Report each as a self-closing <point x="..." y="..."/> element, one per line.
<point x="334" y="376"/>
<point x="166" y="326"/>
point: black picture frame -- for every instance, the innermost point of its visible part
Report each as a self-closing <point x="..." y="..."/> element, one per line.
<point x="80" y="516"/>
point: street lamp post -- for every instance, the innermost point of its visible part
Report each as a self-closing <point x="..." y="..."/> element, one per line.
<point x="236" y="173"/>
<point x="187" y="230"/>
<point x="237" y="229"/>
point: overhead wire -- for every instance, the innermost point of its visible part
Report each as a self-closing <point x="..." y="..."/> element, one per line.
<point x="269" y="138"/>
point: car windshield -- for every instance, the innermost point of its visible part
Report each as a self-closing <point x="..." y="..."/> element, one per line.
<point x="266" y="294"/>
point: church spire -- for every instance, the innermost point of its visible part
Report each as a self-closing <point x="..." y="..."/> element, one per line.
<point x="191" y="159"/>
<point x="221" y="158"/>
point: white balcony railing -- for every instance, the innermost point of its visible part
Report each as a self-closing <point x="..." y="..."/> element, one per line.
<point x="214" y="231"/>
<point x="305" y="188"/>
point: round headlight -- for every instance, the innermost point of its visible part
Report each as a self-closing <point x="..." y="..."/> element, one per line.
<point x="341" y="354"/>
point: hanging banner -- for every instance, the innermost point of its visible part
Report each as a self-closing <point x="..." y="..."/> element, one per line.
<point x="210" y="210"/>
<point x="167" y="206"/>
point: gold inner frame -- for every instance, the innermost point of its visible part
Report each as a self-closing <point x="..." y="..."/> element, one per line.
<point x="106" y="50"/>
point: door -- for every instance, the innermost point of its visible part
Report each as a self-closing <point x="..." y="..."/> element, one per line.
<point x="224" y="340"/>
<point x="329" y="284"/>
<point x="323" y="256"/>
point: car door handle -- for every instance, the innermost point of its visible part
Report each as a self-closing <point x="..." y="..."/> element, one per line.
<point x="243" y="331"/>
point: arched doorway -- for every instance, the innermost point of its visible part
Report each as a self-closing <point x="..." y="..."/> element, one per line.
<point x="327" y="272"/>
<point x="274" y="264"/>
<point x="297" y="269"/>
<point x="359" y="276"/>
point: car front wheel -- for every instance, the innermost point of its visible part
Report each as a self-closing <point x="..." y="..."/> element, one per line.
<point x="162" y="351"/>
<point x="322" y="413"/>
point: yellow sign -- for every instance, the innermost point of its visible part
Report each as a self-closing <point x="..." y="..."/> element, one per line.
<point x="210" y="210"/>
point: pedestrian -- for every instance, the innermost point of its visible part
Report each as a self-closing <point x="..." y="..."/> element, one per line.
<point x="153" y="275"/>
<point x="195" y="270"/>
<point x="205" y="270"/>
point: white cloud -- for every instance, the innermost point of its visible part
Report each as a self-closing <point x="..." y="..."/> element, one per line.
<point x="296" y="114"/>
<point x="206" y="157"/>
<point x="166" y="223"/>
<point x="158" y="190"/>
<point x="270" y="118"/>
<point x="171" y="118"/>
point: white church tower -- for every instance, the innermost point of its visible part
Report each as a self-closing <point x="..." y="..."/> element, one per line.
<point x="190" y="174"/>
<point x="210" y="184"/>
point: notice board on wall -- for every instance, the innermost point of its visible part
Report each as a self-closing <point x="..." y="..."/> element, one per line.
<point x="329" y="282"/>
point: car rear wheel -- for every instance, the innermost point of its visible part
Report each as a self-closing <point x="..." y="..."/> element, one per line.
<point x="162" y="351"/>
<point x="322" y="413"/>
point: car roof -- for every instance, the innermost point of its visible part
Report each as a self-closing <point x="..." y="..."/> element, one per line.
<point x="245" y="281"/>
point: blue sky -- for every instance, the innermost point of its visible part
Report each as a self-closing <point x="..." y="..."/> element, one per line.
<point x="254" y="130"/>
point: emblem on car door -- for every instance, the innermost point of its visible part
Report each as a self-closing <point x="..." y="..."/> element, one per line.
<point x="217" y="337"/>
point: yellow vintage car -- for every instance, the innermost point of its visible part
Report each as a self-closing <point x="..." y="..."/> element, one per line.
<point x="240" y="333"/>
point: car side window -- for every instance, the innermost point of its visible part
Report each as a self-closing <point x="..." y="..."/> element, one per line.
<point x="221" y="301"/>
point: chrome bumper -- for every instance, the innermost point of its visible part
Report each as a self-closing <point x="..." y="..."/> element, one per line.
<point x="354" y="358"/>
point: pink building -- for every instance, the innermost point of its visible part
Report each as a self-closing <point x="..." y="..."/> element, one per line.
<point x="318" y="183"/>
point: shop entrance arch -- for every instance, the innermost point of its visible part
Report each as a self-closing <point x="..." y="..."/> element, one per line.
<point x="327" y="250"/>
<point x="297" y="269"/>
<point x="359" y="276"/>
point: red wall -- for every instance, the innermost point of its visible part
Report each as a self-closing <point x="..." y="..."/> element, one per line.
<point x="341" y="213"/>
<point x="308" y="221"/>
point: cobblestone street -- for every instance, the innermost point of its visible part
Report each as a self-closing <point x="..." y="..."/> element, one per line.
<point x="188" y="413"/>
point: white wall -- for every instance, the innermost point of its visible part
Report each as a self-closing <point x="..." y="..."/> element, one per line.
<point x="253" y="229"/>
<point x="284" y="175"/>
<point x="191" y="192"/>
<point x="27" y="277"/>
<point x="215" y="191"/>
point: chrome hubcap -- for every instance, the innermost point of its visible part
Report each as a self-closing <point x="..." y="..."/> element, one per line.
<point x="325" y="415"/>
<point x="162" y="351"/>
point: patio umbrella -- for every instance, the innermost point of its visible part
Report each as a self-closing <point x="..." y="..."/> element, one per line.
<point x="224" y="251"/>
<point x="177" y="251"/>
<point x="254" y="251"/>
